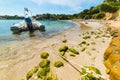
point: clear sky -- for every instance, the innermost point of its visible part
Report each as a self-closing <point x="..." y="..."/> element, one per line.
<point x="16" y="7"/>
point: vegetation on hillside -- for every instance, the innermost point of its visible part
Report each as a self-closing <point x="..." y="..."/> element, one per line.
<point x="11" y="17"/>
<point x="97" y="12"/>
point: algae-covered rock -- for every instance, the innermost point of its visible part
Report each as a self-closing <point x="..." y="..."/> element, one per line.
<point x="88" y="53"/>
<point x="97" y="37"/>
<point x="44" y="55"/>
<point x="93" y="69"/>
<point x="31" y="72"/>
<point x="43" y="72"/>
<point x="62" y="53"/>
<point x="73" y="55"/>
<point x="83" y="42"/>
<point x="73" y="51"/>
<point x="63" y="48"/>
<point x="93" y="43"/>
<point x="58" y="64"/>
<point x="44" y="63"/>
<point x="21" y="79"/>
<point x="87" y="72"/>
<point x="83" y="49"/>
<point x="86" y="37"/>
<point x="64" y="41"/>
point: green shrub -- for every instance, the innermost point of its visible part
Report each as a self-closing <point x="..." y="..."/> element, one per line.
<point x="31" y="72"/>
<point x="100" y="15"/>
<point x="73" y="51"/>
<point x="64" y="41"/>
<point x="58" y="64"/>
<point x="86" y="37"/>
<point x="108" y="8"/>
<point x="44" y="63"/>
<point x="44" y="55"/>
<point x="43" y="72"/>
<point x="63" y="48"/>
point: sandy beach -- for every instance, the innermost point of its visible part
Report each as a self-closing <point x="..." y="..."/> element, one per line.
<point x="16" y="67"/>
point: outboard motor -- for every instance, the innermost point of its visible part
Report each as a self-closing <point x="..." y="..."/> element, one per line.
<point x="29" y="24"/>
<point x="28" y="19"/>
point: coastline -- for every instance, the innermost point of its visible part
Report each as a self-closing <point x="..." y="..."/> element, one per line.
<point x="111" y="55"/>
<point x="73" y="36"/>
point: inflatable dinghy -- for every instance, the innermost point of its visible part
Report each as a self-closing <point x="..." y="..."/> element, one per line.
<point x="29" y="24"/>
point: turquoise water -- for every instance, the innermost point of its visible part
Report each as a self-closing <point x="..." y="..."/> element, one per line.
<point x="11" y="44"/>
<point x="50" y="26"/>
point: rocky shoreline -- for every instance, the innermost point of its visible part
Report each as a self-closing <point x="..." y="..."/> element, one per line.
<point x="112" y="53"/>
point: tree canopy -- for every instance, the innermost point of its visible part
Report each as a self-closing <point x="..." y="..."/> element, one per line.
<point x="97" y="12"/>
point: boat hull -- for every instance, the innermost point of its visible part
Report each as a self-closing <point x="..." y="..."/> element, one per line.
<point x="16" y="29"/>
<point x="22" y="26"/>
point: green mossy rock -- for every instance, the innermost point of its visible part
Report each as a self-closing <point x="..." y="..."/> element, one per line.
<point x="93" y="69"/>
<point x="83" y="49"/>
<point x="62" y="53"/>
<point x="21" y="79"/>
<point x="73" y="55"/>
<point x="86" y="37"/>
<point x="31" y="72"/>
<point x="90" y="76"/>
<point x="44" y="63"/>
<point x="44" y="55"/>
<point x="73" y="51"/>
<point x="63" y="48"/>
<point x="93" y="43"/>
<point x="58" y="64"/>
<point x="43" y="72"/>
<point x="64" y="41"/>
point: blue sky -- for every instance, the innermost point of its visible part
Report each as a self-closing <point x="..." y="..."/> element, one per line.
<point x="16" y="7"/>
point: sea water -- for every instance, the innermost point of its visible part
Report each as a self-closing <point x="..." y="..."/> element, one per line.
<point x="8" y="40"/>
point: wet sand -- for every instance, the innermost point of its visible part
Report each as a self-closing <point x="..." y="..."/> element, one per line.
<point x="28" y="52"/>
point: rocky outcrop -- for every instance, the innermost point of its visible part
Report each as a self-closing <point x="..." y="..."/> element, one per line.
<point x="112" y="58"/>
<point x="113" y="16"/>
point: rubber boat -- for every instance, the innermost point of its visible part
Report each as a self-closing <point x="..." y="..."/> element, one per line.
<point x="29" y="24"/>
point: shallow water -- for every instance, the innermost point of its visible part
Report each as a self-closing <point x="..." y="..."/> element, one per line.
<point x="12" y="45"/>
